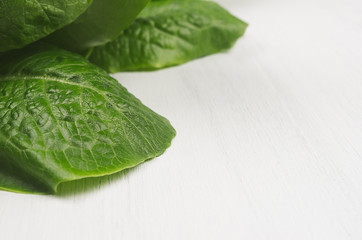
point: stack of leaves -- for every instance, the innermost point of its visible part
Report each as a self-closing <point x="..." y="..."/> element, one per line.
<point x="62" y="117"/>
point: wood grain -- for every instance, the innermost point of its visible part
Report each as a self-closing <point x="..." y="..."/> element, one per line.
<point x="269" y="142"/>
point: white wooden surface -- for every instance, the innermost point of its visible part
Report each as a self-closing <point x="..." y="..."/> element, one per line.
<point x="269" y="142"/>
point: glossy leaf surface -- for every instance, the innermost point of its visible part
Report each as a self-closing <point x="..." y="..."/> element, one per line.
<point x="62" y="119"/>
<point x="23" y="22"/>
<point x="169" y="33"/>
<point x="101" y="23"/>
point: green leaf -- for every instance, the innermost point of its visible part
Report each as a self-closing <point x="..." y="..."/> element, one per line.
<point x="169" y="33"/>
<point x="23" y="22"/>
<point x="102" y="22"/>
<point x="63" y="119"/>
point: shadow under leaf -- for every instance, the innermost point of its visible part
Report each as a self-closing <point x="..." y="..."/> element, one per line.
<point x="86" y="185"/>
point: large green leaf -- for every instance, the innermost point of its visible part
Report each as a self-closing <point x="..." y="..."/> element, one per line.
<point x="169" y="33"/>
<point x="62" y="119"/>
<point x="23" y="22"/>
<point x="102" y="22"/>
